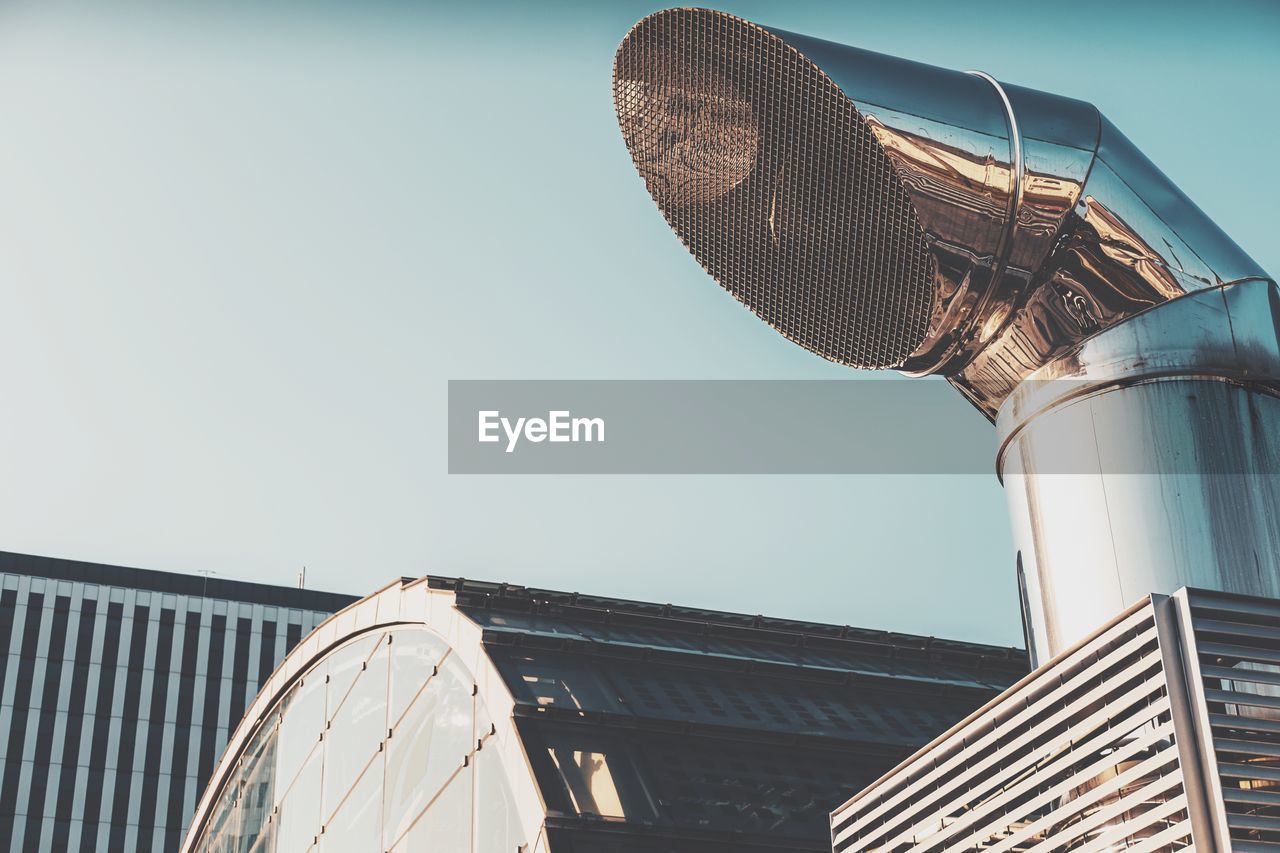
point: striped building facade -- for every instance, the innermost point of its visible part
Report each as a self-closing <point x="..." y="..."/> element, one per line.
<point x="119" y="690"/>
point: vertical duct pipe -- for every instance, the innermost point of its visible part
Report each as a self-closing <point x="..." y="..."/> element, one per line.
<point x="1146" y="461"/>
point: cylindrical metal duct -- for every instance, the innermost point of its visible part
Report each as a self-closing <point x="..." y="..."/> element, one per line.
<point x="1148" y="460"/>
<point x="888" y="214"/>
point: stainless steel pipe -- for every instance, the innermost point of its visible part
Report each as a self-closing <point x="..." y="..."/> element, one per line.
<point x="889" y="214"/>
<point x="1148" y="460"/>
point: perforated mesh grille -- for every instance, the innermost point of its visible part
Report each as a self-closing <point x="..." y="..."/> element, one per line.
<point x="769" y="175"/>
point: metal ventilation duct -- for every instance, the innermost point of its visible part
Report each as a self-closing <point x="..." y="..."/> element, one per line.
<point x="885" y="213"/>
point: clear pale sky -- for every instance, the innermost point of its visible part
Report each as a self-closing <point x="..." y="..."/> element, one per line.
<point x="241" y="252"/>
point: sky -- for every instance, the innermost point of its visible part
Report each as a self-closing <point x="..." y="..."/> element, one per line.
<point x="242" y="251"/>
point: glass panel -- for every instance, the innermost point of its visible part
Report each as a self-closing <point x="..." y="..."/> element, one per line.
<point x="225" y="824"/>
<point x="322" y="752"/>
<point x="301" y="722"/>
<point x="214" y="841"/>
<point x="343" y="666"/>
<point x="446" y="826"/>
<point x="299" y="816"/>
<point x="428" y="745"/>
<point x="452" y="737"/>
<point x="407" y="750"/>
<point x="258" y="793"/>
<point x="414" y="654"/>
<point x="498" y="827"/>
<point x="356" y="730"/>
<point x="266" y="842"/>
<point x="355" y="827"/>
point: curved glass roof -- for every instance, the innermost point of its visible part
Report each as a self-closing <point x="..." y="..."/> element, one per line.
<point x="462" y="716"/>
<point x="379" y="745"/>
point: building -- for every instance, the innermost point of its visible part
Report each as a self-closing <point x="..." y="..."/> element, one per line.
<point x="459" y="716"/>
<point x="119" y="690"/>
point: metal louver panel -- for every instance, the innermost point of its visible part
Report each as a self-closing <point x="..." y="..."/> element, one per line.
<point x="1237" y="658"/>
<point x="1087" y="753"/>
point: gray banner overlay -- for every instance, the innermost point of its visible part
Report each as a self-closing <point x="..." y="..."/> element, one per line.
<point x="857" y="426"/>
<point x="887" y="426"/>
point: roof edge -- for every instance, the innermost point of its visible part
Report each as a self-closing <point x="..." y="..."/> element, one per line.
<point x="177" y="583"/>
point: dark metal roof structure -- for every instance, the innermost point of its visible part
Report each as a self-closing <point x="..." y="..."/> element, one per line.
<point x="723" y="731"/>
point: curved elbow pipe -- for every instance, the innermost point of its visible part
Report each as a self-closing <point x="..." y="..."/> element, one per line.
<point x="884" y="213"/>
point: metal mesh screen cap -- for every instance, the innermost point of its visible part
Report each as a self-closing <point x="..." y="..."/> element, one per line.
<point x="767" y="172"/>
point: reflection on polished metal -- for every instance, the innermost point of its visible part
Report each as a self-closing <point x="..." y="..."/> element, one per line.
<point x="466" y="717"/>
<point x="1146" y="460"/>
<point x="1156" y="733"/>
<point x="885" y="213"/>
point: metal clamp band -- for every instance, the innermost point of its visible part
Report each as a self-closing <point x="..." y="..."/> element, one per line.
<point x="1015" y="139"/>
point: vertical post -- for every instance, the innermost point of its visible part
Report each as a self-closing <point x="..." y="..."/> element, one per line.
<point x="1194" y="738"/>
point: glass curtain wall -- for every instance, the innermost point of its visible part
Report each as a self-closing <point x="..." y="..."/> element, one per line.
<point x="379" y="746"/>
